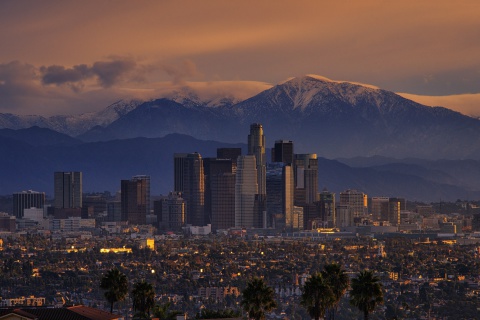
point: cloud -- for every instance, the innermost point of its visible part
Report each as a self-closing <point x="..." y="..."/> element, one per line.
<point x="107" y="73"/>
<point x="181" y="72"/>
<point x="18" y="84"/>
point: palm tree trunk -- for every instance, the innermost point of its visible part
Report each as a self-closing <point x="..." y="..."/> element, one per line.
<point x="365" y="314"/>
<point x="111" y="307"/>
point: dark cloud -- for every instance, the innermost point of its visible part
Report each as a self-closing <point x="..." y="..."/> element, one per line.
<point x="107" y="73"/>
<point x="60" y="75"/>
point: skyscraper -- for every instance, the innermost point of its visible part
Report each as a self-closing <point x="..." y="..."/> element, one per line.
<point x="219" y="190"/>
<point x="222" y="201"/>
<point x="306" y="178"/>
<point x="26" y="200"/>
<point x="280" y="191"/>
<point x="68" y="190"/>
<point x="246" y="193"/>
<point x="135" y="199"/>
<point x="230" y="153"/>
<point x="283" y="151"/>
<point x="327" y="208"/>
<point x="189" y="180"/>
<point x="256" y="147"/>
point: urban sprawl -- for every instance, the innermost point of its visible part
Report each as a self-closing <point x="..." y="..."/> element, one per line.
<point x="231" y="220"/>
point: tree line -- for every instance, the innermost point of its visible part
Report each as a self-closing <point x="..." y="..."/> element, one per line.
<point x="321" y="295"/>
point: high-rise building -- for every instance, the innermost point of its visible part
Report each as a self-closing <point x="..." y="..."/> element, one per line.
<point x="246" y="193"/>
<point x="222" y="201"/>
<point x="357" y="202"/>
<point x="306" y="178"/>
<point x="189" y="179"/>
<point x="68" y="190"/>
<point x="256" y="147"/>
<point x="387" y="209"/>
<point x="280" y="191"/>
<point x="327" y="208"/>
<point x="211" y="168"/>
<point x="170" y="212"/>
<point x="345" y="216"/>
<point x="379" y="208"/>
<point x="135" y="199"/>
<point x="26" y="200"/>
<point x="230" y="153"/>
<point x="283" y="151"/>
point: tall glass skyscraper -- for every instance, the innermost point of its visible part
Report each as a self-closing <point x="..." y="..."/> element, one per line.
<point x="246" y="191"/>
<point x="256" y="147"/>
<point x="189" y="179"/>
<point x="68" y="189"/>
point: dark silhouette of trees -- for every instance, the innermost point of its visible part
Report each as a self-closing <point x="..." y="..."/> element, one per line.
<point x="143" y="296"/>
<point x="115" y="285"/>
<point x="257" y="299"/>
<point x="338" y="281"/>
<point x="366" y="292"/>
<point x="317" y="296"/>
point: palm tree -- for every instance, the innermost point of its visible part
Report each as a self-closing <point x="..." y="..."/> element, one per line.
<point x="338" y="282"/>
<point x="143" y="297"/>
<point x="317" y="296"/>
<point x="258" y="298"/>
<point x="366" y="292"/>
<point x="116" y="285"/>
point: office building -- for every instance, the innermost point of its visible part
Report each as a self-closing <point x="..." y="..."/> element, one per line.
<point x="256" y="147"/>
<point x="170" y="212"/>
<point x="306" y="178"/>
<point x="379" y="208"/>
<point x="280" y="191"/>
<point x="68" y="190"/>
<point x="357" y="202"/>
<point x="230" y="153"/>
<point x="222" y="203"/>
<point x="26" y="200"/>
<point x="135" y="199"/>
<point x="211" y="168"/>
<point x="283" y="151"/>
<point x="246" y="194"/>
<point x="327" y="208"/>
<point x="189" y="180"/>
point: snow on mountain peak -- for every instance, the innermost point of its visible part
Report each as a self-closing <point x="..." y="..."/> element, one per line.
<point x="302" y="90"/>
<point x="216" y="93"/>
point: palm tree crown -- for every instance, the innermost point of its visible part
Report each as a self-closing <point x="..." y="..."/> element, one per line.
<point x="116" y="285"/>
<point x="366" y="292"/>
<point x="317" y="296"/>
<point x="257" y="299"/>
<point x="143" y="296"/>
<point x="338" y="282"/>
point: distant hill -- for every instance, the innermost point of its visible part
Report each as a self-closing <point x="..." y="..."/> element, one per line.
<point x="24" y="166"/>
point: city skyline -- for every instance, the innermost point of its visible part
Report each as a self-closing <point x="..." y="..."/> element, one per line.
<point x="70" y="58"/>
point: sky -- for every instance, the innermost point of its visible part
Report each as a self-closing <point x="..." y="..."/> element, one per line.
<point x="72" y="57"/>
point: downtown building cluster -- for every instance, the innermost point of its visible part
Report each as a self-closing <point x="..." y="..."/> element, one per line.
<point x="229" y="191"/>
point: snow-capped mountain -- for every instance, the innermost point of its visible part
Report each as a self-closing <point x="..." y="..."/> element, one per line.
<point x="330" y="118"/>
<point x="72" y="125"/>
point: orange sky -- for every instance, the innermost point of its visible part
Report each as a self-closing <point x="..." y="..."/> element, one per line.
<point x="78" y="56"/>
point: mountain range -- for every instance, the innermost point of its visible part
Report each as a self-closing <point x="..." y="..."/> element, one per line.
<point x="386" y="145"/>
